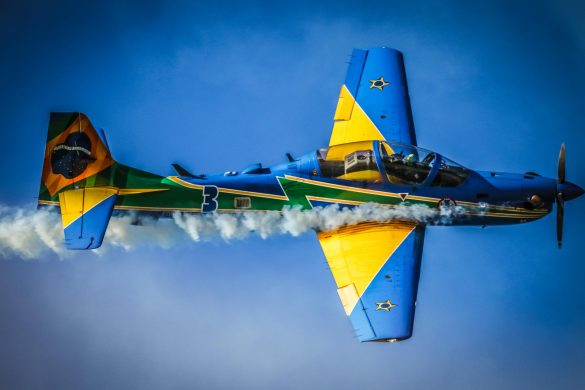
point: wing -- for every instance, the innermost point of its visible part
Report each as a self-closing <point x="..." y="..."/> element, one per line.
<point x="374" y="103"/>
<point x="376" y="267"/>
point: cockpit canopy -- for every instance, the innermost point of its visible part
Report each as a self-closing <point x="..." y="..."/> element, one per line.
<point x="380" y="161"/>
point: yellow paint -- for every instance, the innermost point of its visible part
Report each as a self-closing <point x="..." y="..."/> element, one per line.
<point x="103" y="159"/>
<point x="184" y="183"/>
<point x="344" y="105"/>
<point x="181" y="182"/>
<point x="410" y="196"/>
<point x="338" y="152"/>
<point x="357" y="253"/>
<point x="48" y="202"/>
<point x="352" y="124"/>
<point x="74" y="203"/>
<point x="349" y="297"/>
<point x="335" y="200"/>
<point x="380" y="87"/>
<point x="362" y="175"/>
<point x="164" y="209"/>
<point x="386" y="305"/>
<point x="136" y="191"/>
<point x="331" y="200"/>
<point x="346" y="188"/>
<point x="387" y="148"/>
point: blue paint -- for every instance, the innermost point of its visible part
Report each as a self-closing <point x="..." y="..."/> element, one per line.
<point x="388" y="108"/>
<point x="87" y="231"/>
<point x="494" y="98"/>
<point x="210" y="194"/>
<point x="397" y="281"/>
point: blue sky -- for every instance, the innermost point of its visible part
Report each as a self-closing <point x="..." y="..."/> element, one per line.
<point x="494" y="85"/>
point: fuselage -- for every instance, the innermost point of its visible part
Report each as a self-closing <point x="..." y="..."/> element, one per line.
<point x="335" y="176"/>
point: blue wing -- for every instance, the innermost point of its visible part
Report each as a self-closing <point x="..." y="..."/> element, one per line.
<point x="376" y="267"/>
<point x="374" y="103"/>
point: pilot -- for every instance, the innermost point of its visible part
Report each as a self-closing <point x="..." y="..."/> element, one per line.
<point x="411" y="158"/>
<point x="396" y="157"/>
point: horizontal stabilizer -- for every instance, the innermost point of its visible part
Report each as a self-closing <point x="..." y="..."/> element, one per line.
<point x="85" y="213"/>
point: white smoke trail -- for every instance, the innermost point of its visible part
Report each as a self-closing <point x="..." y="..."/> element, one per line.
<point x="33" y="234"/>
<point x="29" y="234"/>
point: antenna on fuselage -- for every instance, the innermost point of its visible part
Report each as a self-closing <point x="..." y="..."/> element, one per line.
<point x="183" y="172"/>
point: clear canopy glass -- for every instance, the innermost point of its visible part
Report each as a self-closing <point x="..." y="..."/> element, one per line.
<point x="450" y="174"/>
<point x="400" y="164"/>
<point x="353" y="161"/>
<point x="406" y="164"/>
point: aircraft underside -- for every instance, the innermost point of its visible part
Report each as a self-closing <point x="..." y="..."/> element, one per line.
<point x="372" y="158"/>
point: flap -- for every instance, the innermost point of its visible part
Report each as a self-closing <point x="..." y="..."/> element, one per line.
<point x="376" y="267"/>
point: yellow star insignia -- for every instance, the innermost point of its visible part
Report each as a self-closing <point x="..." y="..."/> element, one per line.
<point x="385" y="305"/>
<point x="379" y="83"/>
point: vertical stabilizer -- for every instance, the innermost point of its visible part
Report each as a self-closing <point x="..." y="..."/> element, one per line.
<point x="77" y="173"/>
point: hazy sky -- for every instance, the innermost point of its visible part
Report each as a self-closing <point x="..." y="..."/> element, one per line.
<point x="494" y="85"/>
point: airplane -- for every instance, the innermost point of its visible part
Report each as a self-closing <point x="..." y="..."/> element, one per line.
<point x="372" y="157"/>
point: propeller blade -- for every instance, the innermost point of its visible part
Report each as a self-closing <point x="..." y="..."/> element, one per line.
<point x="560" y="214"/>
<point x="561" y="175"/>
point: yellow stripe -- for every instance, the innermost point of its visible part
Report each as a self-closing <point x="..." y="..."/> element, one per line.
<point x="228" y="190"/>
<point x="466" y="212"/>
<point x="146" y="208"/>
<point x="413" y="197"/>
<point x="360" y="190"/>
<point x="502" y="215"/>
<point x="257" y="194"/>
<point x="136" y="191"/>
<point x="342" y="187"/>
<point x="248" y="211"/>
<point x="516" y="209"/>
<point x="48" y="202"/>
<point x="184" y="183"/>
<point x="332" y="200"/>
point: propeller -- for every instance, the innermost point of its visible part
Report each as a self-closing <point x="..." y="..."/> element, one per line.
<point x="560" y="196"/>
<point x="565" y="191"/>
<point x="560" y="214"/>
<point x="561" y="178"/>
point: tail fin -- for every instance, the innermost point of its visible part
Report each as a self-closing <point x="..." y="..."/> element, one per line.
<point x="78" y="175"/>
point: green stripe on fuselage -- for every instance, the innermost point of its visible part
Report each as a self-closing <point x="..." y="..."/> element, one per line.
<point x="189" y="197"/>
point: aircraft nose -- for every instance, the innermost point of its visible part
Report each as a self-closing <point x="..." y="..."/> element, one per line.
<point x="570" y="190"/>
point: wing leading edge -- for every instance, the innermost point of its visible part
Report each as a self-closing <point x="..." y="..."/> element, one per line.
<point x="376" y="267"/>
<point x="374" y="103"/>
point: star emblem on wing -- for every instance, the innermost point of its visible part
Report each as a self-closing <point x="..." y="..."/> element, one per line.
<point x="379" y="83"/>
<point x="387" y="305"/>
